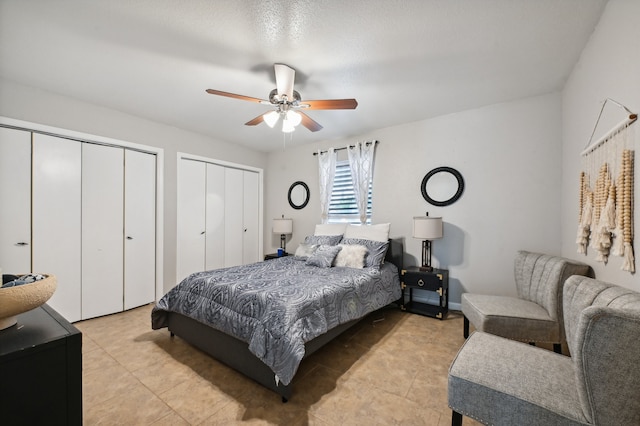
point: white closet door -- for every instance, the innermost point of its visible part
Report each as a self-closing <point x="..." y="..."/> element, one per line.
<point x="191" y="218"/>
<point x="56" y="219"/>
<point x="233" y="214"/>
<point x="250" y="249"/>
<point x="140" y="229"/>
<point x="15" y="201"/>
<point x="215" y="254"/>
<point x="102" y="230"/>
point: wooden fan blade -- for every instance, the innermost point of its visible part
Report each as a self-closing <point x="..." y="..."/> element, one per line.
<point x="309" y="123"/>
<point x="259" y="119"/>
<point x="233" y="95"/>
<point x="331" y="104"/>
<point x="285" y="76"/>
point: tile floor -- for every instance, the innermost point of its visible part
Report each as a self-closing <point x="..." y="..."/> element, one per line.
<point x="384" y="373"/>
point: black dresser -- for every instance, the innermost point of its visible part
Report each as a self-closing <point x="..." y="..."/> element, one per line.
<point x="41" y="370"/>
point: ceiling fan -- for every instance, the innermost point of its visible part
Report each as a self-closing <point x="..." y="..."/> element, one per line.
<point x="288" y="103"/>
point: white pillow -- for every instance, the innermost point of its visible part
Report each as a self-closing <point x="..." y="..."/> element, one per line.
<point x="351" y="256"/>
<point x="378" y="232"/>
<point x="330" y="229"/>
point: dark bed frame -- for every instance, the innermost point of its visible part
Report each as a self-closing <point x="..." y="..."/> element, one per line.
<point x="235" y="353"/>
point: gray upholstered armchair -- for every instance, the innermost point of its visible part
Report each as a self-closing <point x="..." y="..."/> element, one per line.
<point x="503" y="382"/>
<point x="534" y="316"/>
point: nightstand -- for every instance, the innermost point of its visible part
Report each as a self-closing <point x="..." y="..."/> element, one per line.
<point x="436" y="281"/>
<point x="274" y="256"/>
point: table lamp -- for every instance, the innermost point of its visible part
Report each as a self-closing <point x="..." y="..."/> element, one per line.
<point x="283" y="227"/>
<point x="427" y="229"/>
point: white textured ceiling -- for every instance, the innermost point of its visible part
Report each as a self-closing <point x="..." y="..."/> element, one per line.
<point x="402" y="60"/>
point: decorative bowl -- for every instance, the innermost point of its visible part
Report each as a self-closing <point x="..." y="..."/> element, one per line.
<point x="22" y="298"/>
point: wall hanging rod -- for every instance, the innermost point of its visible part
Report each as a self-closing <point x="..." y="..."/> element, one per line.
<point x="624" y="123"/>
<point x="345" y="147"/>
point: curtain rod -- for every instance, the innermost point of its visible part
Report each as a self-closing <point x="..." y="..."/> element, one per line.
<point x="345" y="147"/>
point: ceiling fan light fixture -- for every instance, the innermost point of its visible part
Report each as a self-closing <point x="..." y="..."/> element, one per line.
<point x="287" y="126"/>
<point x="271" y="118"/>
<point x="294" y="118"/>
<point x="283" y="98"/>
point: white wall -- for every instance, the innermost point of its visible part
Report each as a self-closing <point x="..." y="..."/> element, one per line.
<point x="41" y="107"/>
<point x="510" y="157"/>
<point x="609" y="67"/>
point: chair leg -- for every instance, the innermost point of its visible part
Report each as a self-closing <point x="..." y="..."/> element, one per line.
<point x="456" y="418"/>
<point x="557" y="348"/>
<point x="465" y="329"/>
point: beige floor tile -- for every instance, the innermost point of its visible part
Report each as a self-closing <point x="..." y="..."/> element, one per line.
<point x="164" y="374"/>
<point x="381" y="370"/>
<point x="430" y="392"/>
<point x="88" y="344"/>
<point x="96" y="359"/>
<point x="171" y="419"/>
<point x="195" y="400"/>
<point x="135" y="406"/>
<point x="260" y="407"/>
<point x="357" y="404"/>
<point x="102" y="384"/>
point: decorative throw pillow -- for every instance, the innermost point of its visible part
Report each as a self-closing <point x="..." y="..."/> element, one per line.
<point x="305" y="250"/>
<point x="351" y="256"/>
<point x="324" y="240"/>
<point x="377" y="250"/>
<point x="324" y="256"/>
<point x="330" y="229"/>
<point x="379" y="232"/>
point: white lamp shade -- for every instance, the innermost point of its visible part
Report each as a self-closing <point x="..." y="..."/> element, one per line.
<point x="287" y="126"/>
<point x="282" y="226"/>
<point x="427" y="228"/>
<point x="294" y="118"/>
<point x="271" y="118"/>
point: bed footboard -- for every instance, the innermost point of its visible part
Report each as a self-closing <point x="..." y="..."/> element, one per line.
<point x="235" y="353"/>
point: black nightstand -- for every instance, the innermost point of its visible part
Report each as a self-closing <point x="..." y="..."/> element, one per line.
<point x="274" y="256"/>
<point x="437" y="281"/>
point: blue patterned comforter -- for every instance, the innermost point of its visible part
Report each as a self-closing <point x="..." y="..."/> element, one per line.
<point x="278" y="305"/>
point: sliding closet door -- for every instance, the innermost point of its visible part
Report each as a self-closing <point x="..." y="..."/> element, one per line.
<point x="15" y="201"/>
<point x="234" y="220"/>
<point x="56" y="219"/>
<point x="102" y="230"/>
<point x="140" y="228"/>
<point x="191" y="218"/>
<point x="215" y="218"/>
<point x="250" y="209"/>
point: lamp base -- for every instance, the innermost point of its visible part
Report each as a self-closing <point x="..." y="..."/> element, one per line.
<point x="426" y="256"/>
<point x="283" y="243"/>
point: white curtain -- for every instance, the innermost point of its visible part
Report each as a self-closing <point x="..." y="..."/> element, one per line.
<point x="361" y="165"/>
<point x="327" y="171"/>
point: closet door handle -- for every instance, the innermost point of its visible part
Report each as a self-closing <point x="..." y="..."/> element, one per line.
<point x="202" y="233"/>
<point x="129" y="238"/>
<point x="22" y="243"/>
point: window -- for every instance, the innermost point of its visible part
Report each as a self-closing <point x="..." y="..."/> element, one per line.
<point x="343" y="207"/>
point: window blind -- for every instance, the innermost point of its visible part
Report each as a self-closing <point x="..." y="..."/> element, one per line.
<point x="343" y="207"/>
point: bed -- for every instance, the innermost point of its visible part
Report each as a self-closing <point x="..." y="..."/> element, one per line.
<point x="262" y="319"/>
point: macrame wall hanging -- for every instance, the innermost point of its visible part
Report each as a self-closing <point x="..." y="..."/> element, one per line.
<point x="605" y="220"/>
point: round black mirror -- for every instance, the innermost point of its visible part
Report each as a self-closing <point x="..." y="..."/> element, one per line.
<point x="298" y="195"/>
<point x="442" y="186"/>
